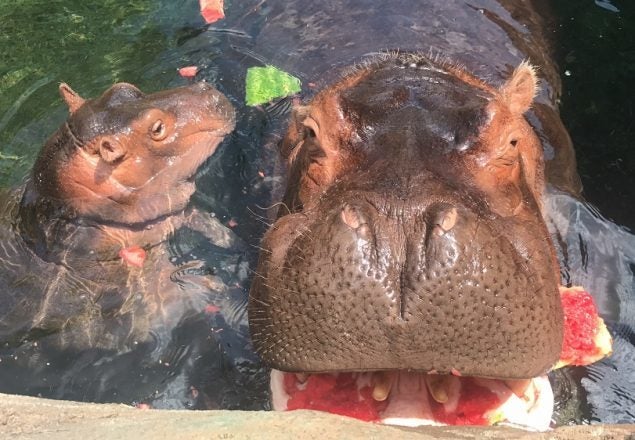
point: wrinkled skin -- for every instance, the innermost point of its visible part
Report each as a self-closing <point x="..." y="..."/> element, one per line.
<point x="415" y="238"/>
<point x="79" y="318"/>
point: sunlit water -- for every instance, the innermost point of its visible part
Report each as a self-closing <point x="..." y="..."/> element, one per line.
<point x="90" y="45"/>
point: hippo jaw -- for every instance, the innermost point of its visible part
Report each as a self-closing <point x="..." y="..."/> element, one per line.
<point x="415" y="240"/>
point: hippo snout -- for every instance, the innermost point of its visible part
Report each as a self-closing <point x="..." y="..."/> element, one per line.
<point x="401" y="286"/>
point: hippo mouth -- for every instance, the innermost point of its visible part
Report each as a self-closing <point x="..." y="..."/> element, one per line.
<point x="376" y="350"/>
<point x="414" y="399"/>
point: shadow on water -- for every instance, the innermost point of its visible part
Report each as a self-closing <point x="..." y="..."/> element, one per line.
<point x="596" y="44"/>
<point x="91" y="45"/>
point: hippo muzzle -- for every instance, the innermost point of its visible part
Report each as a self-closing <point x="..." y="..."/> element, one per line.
<point x="411" y="236"/>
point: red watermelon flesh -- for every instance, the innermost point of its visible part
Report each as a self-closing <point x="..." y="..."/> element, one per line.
<point x="586" y="338"/>
<point x="212" y="10"/>
<point x="472" y="401"/>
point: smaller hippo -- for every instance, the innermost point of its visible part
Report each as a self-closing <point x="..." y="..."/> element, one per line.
<point x="103" y="277"/>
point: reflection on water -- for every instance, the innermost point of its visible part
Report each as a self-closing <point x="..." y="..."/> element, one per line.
<point x="599" y="255"/>
<point x="90" y="45"/>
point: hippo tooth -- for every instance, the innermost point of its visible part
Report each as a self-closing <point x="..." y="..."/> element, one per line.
<point x="302" y="377"/>
<point x="438" y="385"/>
<point x="382" y="385"/>
<point x="518" y="386"/>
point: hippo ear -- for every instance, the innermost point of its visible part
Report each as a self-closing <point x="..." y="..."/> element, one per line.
<point x="72" y="99"/>
<point x="520" y="89"/>
<point x="294" y="131"/>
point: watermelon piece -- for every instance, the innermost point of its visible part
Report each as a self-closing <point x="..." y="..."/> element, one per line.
<point x="475" y="403"/>
<point x="210" y="309"/>
<point x="212" y="10"/>
<point x="333" y="394"/>
<point x="133" y="256"/>
<point x="586" y="338"/>
<point x="188" y="72"/>
<point x="264" y="84"/>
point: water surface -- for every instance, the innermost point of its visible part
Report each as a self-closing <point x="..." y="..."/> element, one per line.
<point x="92" y="44"/>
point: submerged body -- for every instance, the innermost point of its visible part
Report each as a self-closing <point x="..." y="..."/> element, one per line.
<point x="98" y="301"/>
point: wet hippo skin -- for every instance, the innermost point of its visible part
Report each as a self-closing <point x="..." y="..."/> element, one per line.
<point x="103" y="283"/>
<point x="415" y="239"/>
<point x="411" y="235"/>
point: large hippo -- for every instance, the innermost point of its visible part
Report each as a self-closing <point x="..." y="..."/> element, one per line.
<point x="411" y="246"/>
<point x="112" y="286"/>
<point x="414" y="239"/>
<point x="432" y="249"/>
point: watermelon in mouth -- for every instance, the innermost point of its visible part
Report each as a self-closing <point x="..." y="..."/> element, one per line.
<point x="414" y="399"/>
<point x="411" y="398"/>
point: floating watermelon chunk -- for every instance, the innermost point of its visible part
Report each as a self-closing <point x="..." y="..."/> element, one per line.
<point x="586" y="338"/>
<point x="210" y="309"/>
<point x="188" y="72"/>
<point x="264" y="84"/>
<point x="212" y="10"/>
<point x="133" y="256"/>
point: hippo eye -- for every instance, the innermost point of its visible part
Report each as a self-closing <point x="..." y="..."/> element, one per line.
<point x="158" y="131"/>
<point x="311" y="128"/>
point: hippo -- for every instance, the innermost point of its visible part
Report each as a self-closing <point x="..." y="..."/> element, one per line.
<point x="414" y="239"/>
<point x="429" y="213"/>
<point x="113" y="286"/>
<point x="410" y="258"/>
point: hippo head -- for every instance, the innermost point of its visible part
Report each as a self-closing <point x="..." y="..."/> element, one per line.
<point x="411" y="235"/>
<point x="127" y="157"/>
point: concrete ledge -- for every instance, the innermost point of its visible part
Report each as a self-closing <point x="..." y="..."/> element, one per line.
<point x="31" y="418"/>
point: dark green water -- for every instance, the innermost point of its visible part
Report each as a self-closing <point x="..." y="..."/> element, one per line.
<point x="88" y="44"/>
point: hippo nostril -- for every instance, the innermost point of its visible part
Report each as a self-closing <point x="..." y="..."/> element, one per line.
<point x="111" y="150"/>
<point x="351" y="217"/>
<point x="445" y="221"/>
